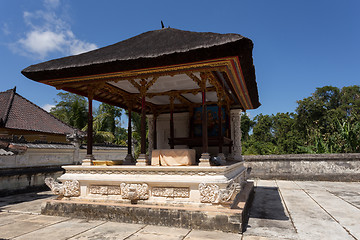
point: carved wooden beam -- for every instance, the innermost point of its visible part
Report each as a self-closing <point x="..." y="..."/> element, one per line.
<point x="172" y="92"/>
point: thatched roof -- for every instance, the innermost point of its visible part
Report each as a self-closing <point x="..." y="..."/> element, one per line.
<point x="164" y="47"/>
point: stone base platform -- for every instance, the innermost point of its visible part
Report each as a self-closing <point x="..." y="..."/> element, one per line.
<point x="233" y="219"/>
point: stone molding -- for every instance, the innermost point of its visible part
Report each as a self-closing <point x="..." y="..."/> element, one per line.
<point x="70" y="188"/>
<point x="134" y="191"/>
<point x="152" y="170"/>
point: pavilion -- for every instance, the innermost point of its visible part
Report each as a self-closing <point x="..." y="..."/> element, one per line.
<point x="192" y="88"/>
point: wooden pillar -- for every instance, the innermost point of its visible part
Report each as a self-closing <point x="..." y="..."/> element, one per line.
<point x="89" y="147"/>
<point x="191" y="122"/>
<point x="142" y="159"/>
<point x="204" y="124"/>
<point x="129" y="133"/>
<point x="171" y="129"/>
<point x="172" y="122"/>
<point x="90" y="129"/>
<point x="129" y="158"/>
<point x="155" y="132"/>
<point x="221" y="138"/>
<point x="143" y="126"/>
<point x="205" y="156"/>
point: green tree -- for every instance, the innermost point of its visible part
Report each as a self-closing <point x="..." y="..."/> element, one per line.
<point x="287" y="137"/>
<point x="71" y="109"/>
<point x="110" y="117"/>
<point x="246" y="126"/>
<point x="328" y="118"/>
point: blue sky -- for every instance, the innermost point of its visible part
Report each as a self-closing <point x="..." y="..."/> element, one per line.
<point x="298" y="45"/>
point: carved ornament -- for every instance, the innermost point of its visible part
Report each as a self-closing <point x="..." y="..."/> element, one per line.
<point x="212" y="193"/>
<point x="105" y="190"/>
<point x="134" y="191"/>
<point x="171" y="192"/>
<point x="67" y="189"/>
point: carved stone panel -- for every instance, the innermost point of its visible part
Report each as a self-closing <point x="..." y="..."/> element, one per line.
<point x="134" y="191"/>
<point x="105" y="190"/>
<point x="211" y="193"/>
<point x="181" y="192"/>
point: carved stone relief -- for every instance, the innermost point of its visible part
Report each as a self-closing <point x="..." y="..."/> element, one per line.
<point x="211" y="193"/>
<point x="67" y="189"/>
<point x="105" y="190"/>
<point x="134" y="191"/>
<point x="171" y="192"/>
<point x="235" y="119"/>
<point x="150" y="133"/>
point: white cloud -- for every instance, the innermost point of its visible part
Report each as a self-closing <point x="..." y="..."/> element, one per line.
<point x="77" y="47"/>
<point x="51" y="3"/>
<point x="5" y="29"/>
<point x="47" y="107"/>
<point x="48" y="34"/>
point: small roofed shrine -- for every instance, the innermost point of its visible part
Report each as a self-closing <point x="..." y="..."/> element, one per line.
<point x="191" y="88"/>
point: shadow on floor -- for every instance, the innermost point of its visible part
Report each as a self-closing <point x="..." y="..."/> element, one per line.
<point x="267" y="204"/>
<point x="24" y="197"/>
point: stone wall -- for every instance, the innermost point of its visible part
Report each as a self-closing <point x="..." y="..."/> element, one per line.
<point x="319" y="167"/>
<point x="27" y="171"/>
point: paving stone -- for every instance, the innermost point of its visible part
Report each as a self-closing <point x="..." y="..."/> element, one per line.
<point x="20" y="227"/>
<point x="7" y="218"/>
<point x="159" y="232"/>
<point x="319" y="210"/>
<point x="264" y="238"/>
<point x="310" y="220"/>
<point x="62" y="230"/>
<point x="204" y="235"/>
<point x="347" y="215"/>
<point x="268" y="217"/>
<point x="110" y="231"/>
<point x="265" y="183"/>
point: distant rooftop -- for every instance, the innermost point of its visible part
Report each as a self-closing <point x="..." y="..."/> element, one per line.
<point x="18" y="113"/>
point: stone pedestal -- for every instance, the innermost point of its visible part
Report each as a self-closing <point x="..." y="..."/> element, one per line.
<point x="204" y="160"/>
<point x="142" y="160"/>
<point x="209" y="194"/>
<point x="88" y="160"/>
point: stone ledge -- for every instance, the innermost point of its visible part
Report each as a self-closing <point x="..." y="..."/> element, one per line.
<point x="205" y="218"/>
<point x="303" y="157"/>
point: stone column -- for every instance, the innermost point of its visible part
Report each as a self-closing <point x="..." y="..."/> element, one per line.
<point x="235" y="122"/>
<point x="150" y="121"/>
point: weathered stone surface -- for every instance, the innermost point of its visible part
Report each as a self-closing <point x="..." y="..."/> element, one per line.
<point x="206" y="218"/>
<point x="306" y="204"/>
<point x="110" y="230"/>
<point x="146" y="215"/>
<point x="323" y="167"/>
<point x="61" y="231"/>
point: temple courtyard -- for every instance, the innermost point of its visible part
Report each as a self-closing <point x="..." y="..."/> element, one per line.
<point x="280" y="210"/>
